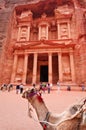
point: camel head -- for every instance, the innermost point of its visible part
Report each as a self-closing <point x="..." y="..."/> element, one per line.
<point x="29" y="93"/>
<point x="32" y="93"/>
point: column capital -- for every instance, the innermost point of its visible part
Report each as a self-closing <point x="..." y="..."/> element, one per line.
<point x="29" y="24"/>
<point x="26" y="54"/>
<point x="59" y="52"/>
<point x="50" y="53"/>
<point x="71" y="52"/>
<point x="35" y="54"/>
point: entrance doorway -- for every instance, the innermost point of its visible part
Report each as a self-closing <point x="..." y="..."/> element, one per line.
<point x="44" y="73"/>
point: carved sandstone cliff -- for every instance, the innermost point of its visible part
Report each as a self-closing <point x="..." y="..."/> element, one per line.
<point x="7" y="17"/>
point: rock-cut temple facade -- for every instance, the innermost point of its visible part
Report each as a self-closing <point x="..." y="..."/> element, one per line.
<point x="43" y="41"/>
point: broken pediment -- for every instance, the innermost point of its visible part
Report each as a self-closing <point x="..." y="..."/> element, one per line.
<point x="63" y="11"/>
<point x="25" y="16"/>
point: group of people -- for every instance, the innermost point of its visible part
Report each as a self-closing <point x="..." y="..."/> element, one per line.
<point x="82" y="85"/>
<point x="7" y="87"/>
<point x="19" y="88"/>
<point x="43" y="87"/>
<point x="59" y="86"/>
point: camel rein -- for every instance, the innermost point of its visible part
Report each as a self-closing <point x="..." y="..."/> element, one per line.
<point x="46" y="122"/>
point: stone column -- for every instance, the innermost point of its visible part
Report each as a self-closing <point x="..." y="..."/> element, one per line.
<point x="47" y="32"/>
<point x="28" y="33"/>
<point x="60" y="66"/>
<point x="72" y="66"/>
<point x="19" y="33"/>
<point x="34" y="68"/>
<point x="25" y="69"/>
<point x="69" y="35"/>
<point x="58" y="31"/>
<point x="39" y="32"/>
<point x="50" y="67"/>
<point x="14" y="68"/>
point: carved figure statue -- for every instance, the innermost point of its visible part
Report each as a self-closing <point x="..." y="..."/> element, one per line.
<point x="74" y="118"/>
<point x="26" y="14"/>
<point x="64" y="9"/>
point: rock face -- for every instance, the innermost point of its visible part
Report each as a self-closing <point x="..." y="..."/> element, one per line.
<point x="8" y="9"/>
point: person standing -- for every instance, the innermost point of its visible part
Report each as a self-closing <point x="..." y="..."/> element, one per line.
<point x="48" y="87"/>
<point x="21" y="88"/>
<point x="17" y="88"/>
<point x="83" y="86"/>
<point x="10" y="86"/>
<point x="58" y="86"/>
<point x="34" y="85"/>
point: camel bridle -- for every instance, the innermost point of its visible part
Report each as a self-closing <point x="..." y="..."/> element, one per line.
<point x="45" y="123"/>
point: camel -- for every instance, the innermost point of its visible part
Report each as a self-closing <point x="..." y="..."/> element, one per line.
<point x="74" y="118"/>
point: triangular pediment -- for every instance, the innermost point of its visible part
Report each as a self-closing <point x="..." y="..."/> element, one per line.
<point x="40" y="44"/>
<point x="43" y="44"/>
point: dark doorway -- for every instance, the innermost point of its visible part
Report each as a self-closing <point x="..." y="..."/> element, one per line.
<point x="44" y="73"/>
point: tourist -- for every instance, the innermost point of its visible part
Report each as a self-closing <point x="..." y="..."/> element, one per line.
<point x="40" y="87"/>
<point x="48" y="87"/>
<point x="58" y="85"/>
<point x="17" y="88"/>
<point x="34" y="85"/>
<point x="68" y="88"/>
<point x="4" y="87"/>
<point x="21" y="88"/>
<point x="83" y="86"/>
<point x="10" y="86"/>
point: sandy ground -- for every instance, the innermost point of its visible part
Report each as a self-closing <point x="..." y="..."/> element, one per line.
<point x="14" y="109"/>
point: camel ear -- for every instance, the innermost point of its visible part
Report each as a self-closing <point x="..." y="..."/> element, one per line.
<point x="25" y="94"/>
<point x="32" y="90"/>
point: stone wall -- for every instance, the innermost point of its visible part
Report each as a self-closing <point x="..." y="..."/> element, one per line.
<point x="5" y="27"/>
<point x="80" y="62"/>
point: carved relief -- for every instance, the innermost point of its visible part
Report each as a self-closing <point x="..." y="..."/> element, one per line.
<point x="64" y="30"/>
<point x="43" y="32"/>
<point x="43" y="27"/>
<point x="43" y="17"/>
<point x="23" y="34"/>
<point x="26" y="14"/>
<point x="66" y="68"/>
<point x="53" y="30"/>
<point x="19" y="72"/>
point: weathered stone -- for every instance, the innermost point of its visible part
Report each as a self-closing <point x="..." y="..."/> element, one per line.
<point x="10" y="19"/>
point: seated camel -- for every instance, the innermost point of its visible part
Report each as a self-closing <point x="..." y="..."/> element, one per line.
<point x="74" y="118"/>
